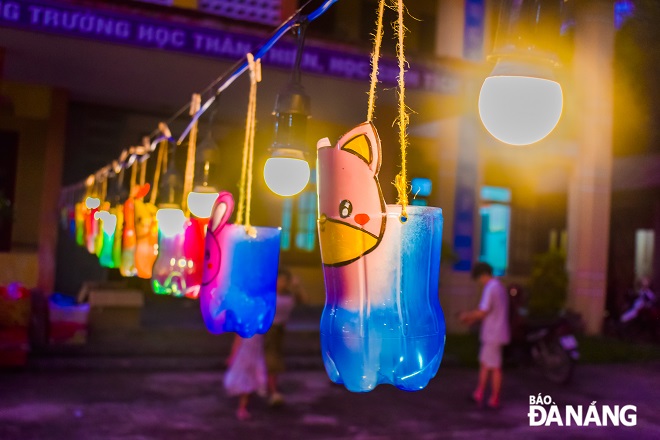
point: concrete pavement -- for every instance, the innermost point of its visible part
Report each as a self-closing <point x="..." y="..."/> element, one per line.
<point x="144" y="405"/>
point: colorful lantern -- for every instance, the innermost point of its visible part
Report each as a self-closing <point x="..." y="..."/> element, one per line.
<point x="108" y="222"/>
<point x="382" y="321"/>
<point x="80" y="215"/>
<point x="91" y="223"/>
<point x="98" y="240"/>
<point x="240" y="274"/>
<point x="119" y="232"/>
<point x="172" y="267"/>
<point x="194" y="254"/>
<point x="146" y="232"/>
<point x="71" y="224"/>
<point x="200" y="203"/>
<point x="201" y="200"/>
<point x="129" y="239"/>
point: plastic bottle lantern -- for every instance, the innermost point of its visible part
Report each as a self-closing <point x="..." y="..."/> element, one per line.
<point x="146" y="232"/>
<point x="382" y="321"/>
<point x="240" y="274"/>
<point x="173" y="270"/>
<point x="80" y="215"/>
<point x="91" y="223"/>
<point x="194" y="254"/>
<point x="100" y="235"/>
<point x="108" y="221"/>
<point x="200" y="203"/>
<point x="72" y="221"/>
<point x="129" y="239"/>
<point x="119" y="232"/>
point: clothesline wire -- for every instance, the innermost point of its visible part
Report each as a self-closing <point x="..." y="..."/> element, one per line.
<point x="218" y="86"/>
<point x="241" y="66"/>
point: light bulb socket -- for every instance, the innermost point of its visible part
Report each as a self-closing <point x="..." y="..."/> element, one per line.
<point x="522" y="65"/>
<point x="204" y="189"/>
<point x="287" y="153"/>
<point x="292" y="100"/>
<point x="169" y="206"/>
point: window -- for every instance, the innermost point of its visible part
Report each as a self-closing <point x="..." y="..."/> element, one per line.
<point x="306" y="222"/>
<point x="421" y="190"/>
<point x="495" y="215"/>
<point x="299" y="222"/>
<point x="644" y="241"/>
<point x="287" y="220"/>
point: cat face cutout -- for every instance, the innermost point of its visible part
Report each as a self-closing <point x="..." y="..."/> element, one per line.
<point x="351" y="203"/>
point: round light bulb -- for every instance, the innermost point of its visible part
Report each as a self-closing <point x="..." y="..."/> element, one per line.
<point x="201" y="200"/>
<point x="171" y="221"/>
<point x="92" y="202"/>
<point x="109" y="221"/>
<point x="520" y="110"/>
<point x="286" y="176"/>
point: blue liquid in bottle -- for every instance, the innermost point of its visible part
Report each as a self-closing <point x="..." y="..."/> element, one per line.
<point x="382" y="322"/>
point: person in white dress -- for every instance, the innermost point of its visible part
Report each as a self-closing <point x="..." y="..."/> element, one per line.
<point x="247" y="372"/>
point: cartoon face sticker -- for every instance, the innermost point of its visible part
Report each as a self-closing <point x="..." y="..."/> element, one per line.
<point x="351" y="203"/>
<point x="224" y="206"/>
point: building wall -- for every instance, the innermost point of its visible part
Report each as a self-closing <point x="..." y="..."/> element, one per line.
<point x="28" y="110"/>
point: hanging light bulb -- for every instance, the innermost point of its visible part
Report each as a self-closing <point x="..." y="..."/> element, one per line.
<point x="520" y="102"/>
<point x="520" y="105"/>
<point x="171" y="221"/>
<point x="287" y="171"/>
<point x="203" y="195"/>
<point x="201" y="200"/>
<point x="108" y="221"/>
<point x="92" y="202"/>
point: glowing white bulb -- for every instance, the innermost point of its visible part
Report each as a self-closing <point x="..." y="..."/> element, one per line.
<point x="200" y="202"/>
<point x="286" y="176"/>
<point x="171" y="221"/>
<point x="109" y="221"/>
<point x="520" y="110"/>
<point x="92" y="202"/>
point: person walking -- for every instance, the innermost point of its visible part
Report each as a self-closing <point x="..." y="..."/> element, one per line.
<point x="246" y="373"/>
<point x="493" y="312"/>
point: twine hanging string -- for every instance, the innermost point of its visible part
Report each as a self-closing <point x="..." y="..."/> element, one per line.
<point x="134" y="170"/>
<point x="143" y="161"/>
<point x="104" y="189"/>
<point x="401" y="180"/>
<point x="90" y="184"/>
<point x="245" y="186"/>
<point x="162" y="151"/>
<point x="218" y="86"/>
<point x="195" y="104"/>
<point x="375" y="58"/>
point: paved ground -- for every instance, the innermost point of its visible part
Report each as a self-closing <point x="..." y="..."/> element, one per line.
<point x="138" y="404"/>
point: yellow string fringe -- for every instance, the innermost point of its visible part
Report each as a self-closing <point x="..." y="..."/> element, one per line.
<point x="245" y="186"/>
<point x="375" y="57"/>
<point x="134" y="168"/>
<point x="162" y="147"/>
<point x="195" y="104"/>
<point x="401" y="180"/>
<point x="143" y="172"/>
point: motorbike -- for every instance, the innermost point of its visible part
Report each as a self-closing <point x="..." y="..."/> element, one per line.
<point x="550" y="346"/>
<point x="641" y="321"/>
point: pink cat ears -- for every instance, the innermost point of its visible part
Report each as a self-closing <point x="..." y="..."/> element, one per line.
<point x="222" y="210"/>
<point x="362" y="141"/>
